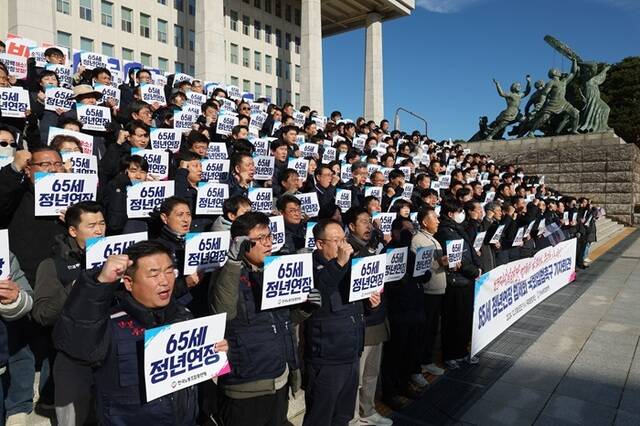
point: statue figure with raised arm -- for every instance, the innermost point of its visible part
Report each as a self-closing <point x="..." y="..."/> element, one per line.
<point x="511" y="114"/>
<point x="594" y="116"/>
<point x="533" y="105"/>
<point x="556" y="103"/>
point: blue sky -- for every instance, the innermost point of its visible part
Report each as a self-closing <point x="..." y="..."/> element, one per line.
<point x="439" y="62"/>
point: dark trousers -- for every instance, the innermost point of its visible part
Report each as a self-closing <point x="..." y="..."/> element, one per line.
<point x="330" y="394"/>
<point x="457" y="321"/>
<point x="401" y="357"/>
<point x="266" y="410"/>
<point x="432" y="310"/>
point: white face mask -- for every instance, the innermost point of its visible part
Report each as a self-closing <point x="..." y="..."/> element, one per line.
<point x="459" y="217"/>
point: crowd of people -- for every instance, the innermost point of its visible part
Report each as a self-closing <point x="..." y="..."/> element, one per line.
<point x="82" y="328"/>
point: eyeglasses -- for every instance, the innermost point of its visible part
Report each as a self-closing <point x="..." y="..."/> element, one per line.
<point x="12" y="144"/>
<point x="263" y="239"/>
<point x="294" y="210"/>
<point x="47" y="164"/>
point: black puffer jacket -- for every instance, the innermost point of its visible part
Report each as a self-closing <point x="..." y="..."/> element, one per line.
<point x="469" y="271"/>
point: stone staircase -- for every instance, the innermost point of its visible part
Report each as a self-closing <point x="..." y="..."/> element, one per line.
<point x="606" y="229"/>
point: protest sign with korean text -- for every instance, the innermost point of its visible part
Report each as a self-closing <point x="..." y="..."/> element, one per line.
<point x="205" y="251"/>
<point x="424" y="260"/>
<point x="182" y="354"/>
<point x="16" y="65"/>
<point x="183" y="120"/>
<point x="143" y="197"/>
<point x="165" y="139"/>
<point x="343" y="199"/>
<point x="214" y="170"/>
<point x="477" y="243"/>
<point x="64" y="73"/>
<point x="276" y="226"/>
<point x="158" y="161"/>
<point x="151" y="93"/>
<point x="5" y="261"/>
<point x="211" y="196"/>
<point x="287" y="280"/>
<point x="81" y="163"/>
<point x="396" y="264"/>
<point x="109" y="93"/>
<point x="385" y="220"/>
<point x="300" y="165"/>
<point x="309" y="239"/>
<point x="14" y="102"/>
<point x="309" y="203"/>
<point x="100" y="248"/>
<point x="454" y="253"/>
<point x="58" y="98"/>
<point x="367" y="276"/>
<point x="261" y="199"/>
<point x="92" y="60"/>
<point x="217" y="151"/>
<point x="94" y="117"/>
<point x="57" y="191"/>
<point x="226" y="123"/>
<point x="265" y="167"/>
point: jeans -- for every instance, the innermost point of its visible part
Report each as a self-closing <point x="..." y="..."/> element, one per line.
<point x="17" y="382"/>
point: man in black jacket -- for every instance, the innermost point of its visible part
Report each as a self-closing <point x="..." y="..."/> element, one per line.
<point x="325" y="191"/>
<point x="457" y="309"/>
<point x="103" y="325"/>
<point x="294" y="227"/>
<point x="54" y="279"/>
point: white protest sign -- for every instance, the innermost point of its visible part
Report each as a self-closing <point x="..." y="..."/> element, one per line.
<point x="367" y="276"/>
<point x="424" y="259"/>
<point x="14" y="102"/>
<point x="477" y="243"/>
<point x="226" y="106"/>
<point x="527" y="233"/>
<point x="215" y="170"/>
<point x="226" y="123"/>
<point x="328" y="155"/>
<point x="5" y="261"/>
<point x="16" y="65"/>
<point x="205" y="251"/>
<point x="489" y="196"/>
<point x="299" y="118"/>
<point x="196" y="99"/>
<point x="85" y="140"/>
<point x="143" y="197"/>
<point x="518" y="240"/>
<point x="165" y="139"/>
<point x="257" y="121"/>
<point x="320" y="121"/>
<point x="300" y="165"/>
<point x="407" y="190"/>
<point x="211" y="196"/>
<point x="385" y="220"/>
<point x="64" y="73"/>
<point x="385" y="172"/>
<point x="94" y="117"/>
<point x="345" y="172"/>
<point x="396" y="264"/>
<point x="57" y="191"/>
<point x="287" y="280"/>
<point x="343" y="199"/>
<point x="92" y="60"/>
<point x="158" y="161"/>
<point x="182" y="354"/>
<point x="454" y="253"/>
<point x="276" y="226"/>
<point x="108" y="93"/>
<point x="57" y="97"/>
<point x="179" y="77"/>
<point x="183" y="120"/>
<point x="506" y="293"/>
<point x="276" y="126"/>
<point x="375" y="191"/>
<point x="444" y="181"/>
<point x="261" y="199"/>
<point x="261" y="146"/>
<point x="309" y="239"/>
<point x="151" y="93"/>
<point x="81" y="163"/>
<point x="265" y="167"/>
<point x="309" y="149"/>
<point x="497" y="235"/>
<point x="358" y="143"/>
<point x="217" y="151"/>
<point x="98" y="249"/>
<point x="309" y="204"/>
<point x="234" y="92"/>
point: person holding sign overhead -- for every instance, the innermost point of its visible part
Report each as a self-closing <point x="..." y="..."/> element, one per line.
<point x="457" y="310"/>
<point x="334" y="334"/>
<point x="103" y="324"/>
<point x="263" y="351"/>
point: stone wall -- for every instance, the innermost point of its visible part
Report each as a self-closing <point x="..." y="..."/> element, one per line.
<point x="600" y="166"/>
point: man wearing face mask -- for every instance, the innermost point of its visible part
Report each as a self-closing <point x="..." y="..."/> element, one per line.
<point x="356" y="184"/>
<point x="8" y="142"/>
<point x="457" y="310"/>
<point x="474" y="224"/>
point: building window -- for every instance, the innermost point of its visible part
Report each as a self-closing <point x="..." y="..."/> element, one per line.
<point x="234" y="53"/>
<point x="297" y="73"/>
<point x="279" y="97"/>
<point x="267" y="6"/>
<point x="127" y="54"/>
<point x="287" y="13"/>
<point x="246" y="85"/>
<point x="257" y="60"/>
<point x="245" y="57"/>
<point x="86" y="44"/>
<point x="192" y="40"/>
<point x="162" y="30"/>
<point x="287" y="40"/>
<point x="192" y="7"/>
<point x="86" y="11"/>
<point x="297" y="44"/>
<point x="178" y="67"/>
<point x="297" y="16"/>
<point x="107" y="49"/>
<point x="257" y="27"/>
<point x="297" y="100"/>
<point x="233" y="18"/>
<point x="278" y="8"/>
<point x="256" y="3"/>
<point x="178" y="36"/>
<point x="288" y="98"/>
<point x="267" y="64"/>
<point x="126" y="19"/>
<point x="287" y="71"/>
<point x="145" y="25"/>
<point x="63" y="39"/>
<point x="245" y="25"/>
<point x="192" y="70"/>
<point x="164" y="2"/>
<point x="267" y="34"/>
<point x="163" y="64"/>
<point x="278" y="38"/>
<point x="257" y="89"/>
<point x="278" y="67"/>
<point x="268" y="91"/>
<point x="145" y="59"/>
<point x="178" y="5"/>
<point x="234" y="81"/>
<point x="63" y="6"/>
<point x="106" y="9"/>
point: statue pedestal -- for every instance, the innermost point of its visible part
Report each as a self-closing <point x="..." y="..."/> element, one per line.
<point x="600" y="166"/>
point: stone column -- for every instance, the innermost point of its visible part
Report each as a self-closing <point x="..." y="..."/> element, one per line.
<point x="311" y="84"/>
<point x="373" y="83"/>
<point x="210" y="52"/>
